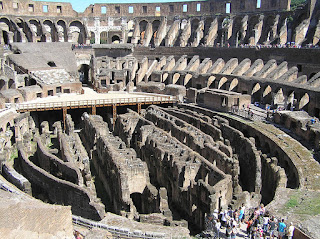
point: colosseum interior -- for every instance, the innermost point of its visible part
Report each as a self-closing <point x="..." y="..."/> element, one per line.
<point x="138" y="120"/>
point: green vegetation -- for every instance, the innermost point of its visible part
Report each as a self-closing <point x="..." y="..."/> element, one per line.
<point x="301" y="203"/>
<point x="14" y="155"/>
<point x="297" y="3"/>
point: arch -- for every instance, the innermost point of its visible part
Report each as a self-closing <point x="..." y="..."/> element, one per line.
<point x="222" y="82"/>
<point x="62" y="31"/>
<point x="143" y="27"/>
<point x="77" y="32"/>
<point x="137" y="201"/>
<point x="92" y="38"/>
<point x="24" y="28"/>
<point x="6" y="27"/>
<point x="256" y="93"/>
<point x="279" y="97"/>
<point x="50" y="29"/>
<point x="207" y="25"/>
<point x="155" y="28"/>
<point x="115" y="39"/>
<point x="251" y="33"/>
<point x="236" y="32"/>
<point x="104" y="37"/>
<point x="210" y="81"/>
<point x="2" y="84"/>
<point x="233" y="85"/>
<point x="187" y="78"/>
<point x="175" y="78"/>
<point x="290" y="100"/>
<point x="130" y="28"/>
<point x="84" y="73"/>
<point x="267" y="96"/>
<point x="194" y="26"/>
<point x="36" y="28"/>
<point x="268" y="31"/>
<point x="11" y="84"/>
<point x="304" y="101"/>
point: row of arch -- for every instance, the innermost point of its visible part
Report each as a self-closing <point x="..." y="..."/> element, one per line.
<point x="34" y="30"/>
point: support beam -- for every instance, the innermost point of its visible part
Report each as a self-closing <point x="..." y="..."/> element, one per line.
<point x="64" y="115"/>
<point x="114" y="114"/>
<point x="139" y="109"/>
<point x="94" y="110"/>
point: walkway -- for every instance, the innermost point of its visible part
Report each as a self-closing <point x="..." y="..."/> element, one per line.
<point x="91" y="99"/>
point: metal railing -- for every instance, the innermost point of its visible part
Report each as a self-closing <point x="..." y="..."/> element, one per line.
<point x="90" y="103"/>
<point x="117" y="232"/>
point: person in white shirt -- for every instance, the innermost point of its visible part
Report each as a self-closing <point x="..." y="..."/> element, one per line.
<point x="290" y="231"/>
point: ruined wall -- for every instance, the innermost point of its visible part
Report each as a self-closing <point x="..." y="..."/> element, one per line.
<point x="124" y="176"/>
<point x="56" y="166"/>
<point x="17" y="179"/>
<point x="189" y="178"/>
<point x="60" y="191"/>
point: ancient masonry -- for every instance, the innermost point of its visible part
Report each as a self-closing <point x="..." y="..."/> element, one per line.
<point x="142" y="119"/>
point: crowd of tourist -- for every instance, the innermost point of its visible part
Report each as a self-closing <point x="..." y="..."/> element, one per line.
<point x="259" y="224"/>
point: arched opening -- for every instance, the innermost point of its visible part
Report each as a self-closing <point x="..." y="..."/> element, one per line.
<point x="92" y="38"/>
<point x="256" y="93"/>
<point x="312" y="75"/>
<point x="25" y="29"/>
<point x="137" y="201"/>
<point x="78" y="33"/>
<point x="103" y="37"/>
<point x="251" y="37"/>
<point x="5" y="38"/>
<point x="222" y="83"/>
<point x="84" y="73"/>
<point x="130" y="28"/>
<point x="11" y="84"/>
<point x="50" y="28"/>
<point x="155" y="28"/>
<point x="62" y="31"/>
<point x="2" y="84"/>
<point x="207" y="25"/>
<point x="115" y="39"/>
<point x="143" y="26"/>
<point x="194" y="27"/>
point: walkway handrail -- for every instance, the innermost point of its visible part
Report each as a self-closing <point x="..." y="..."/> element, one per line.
<point x="117" y="231"/>
<point x="89" y="103"/>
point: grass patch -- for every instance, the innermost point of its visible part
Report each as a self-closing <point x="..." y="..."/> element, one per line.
<point x="293" y="202"/>
<point x="14" y="155"/>
<point x="304" y="203"/>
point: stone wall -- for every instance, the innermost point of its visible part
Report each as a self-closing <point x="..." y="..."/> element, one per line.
<point x="17" y="179"/>
<point x="189" y="178"/>
<point x="124" y="176"/>
<point x="60" y="191"/>
<point x="55" y="166"/>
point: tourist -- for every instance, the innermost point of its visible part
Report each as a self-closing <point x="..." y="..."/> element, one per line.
<point x="217" y="229"/>
<point x="224" y="218"/>
<point x="228" y="232"/>
<point x="272" y="226"/>
<point x="209" y="223"/>
<point x="215" y="214"/>
<point x="249" y="227"/>
<point x="234" y="232"/>
<point x="262" y="209"/>
<point x="265" y="222"/>
<point x="281" y="228"/>
<point x="290" y="231"/>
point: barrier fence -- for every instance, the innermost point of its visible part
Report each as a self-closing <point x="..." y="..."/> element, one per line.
<point x="91" y="103"/>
